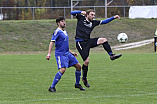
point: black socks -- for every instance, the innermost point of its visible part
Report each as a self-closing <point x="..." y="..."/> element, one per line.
<point x="107" y="48"/>
<point x="84" y="70"/>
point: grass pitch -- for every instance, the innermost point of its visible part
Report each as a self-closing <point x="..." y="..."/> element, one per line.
<point x="25" y="79"/>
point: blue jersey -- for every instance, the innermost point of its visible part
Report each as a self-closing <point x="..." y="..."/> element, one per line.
<point x="61" y="39"/>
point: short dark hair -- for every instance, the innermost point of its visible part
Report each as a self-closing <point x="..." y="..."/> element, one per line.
<point x="89" y="10"/>
<point x="58" y="19"/>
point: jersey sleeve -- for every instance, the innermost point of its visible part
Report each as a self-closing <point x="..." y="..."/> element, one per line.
<point x="96" y="23"/>
<point x="54" y="36"/>
<point x="74" y="13"/>
<point x="107" y="20"/>
<point x="79" y="16"/>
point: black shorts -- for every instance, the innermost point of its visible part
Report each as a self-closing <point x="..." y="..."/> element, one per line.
<point x="84" y="47"/>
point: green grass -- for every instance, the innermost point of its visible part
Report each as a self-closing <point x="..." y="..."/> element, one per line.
<point x="26" y="75"/>
<point x="25" y="79"/>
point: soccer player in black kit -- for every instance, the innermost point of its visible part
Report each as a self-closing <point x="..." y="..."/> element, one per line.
<point x="85" y="25"/>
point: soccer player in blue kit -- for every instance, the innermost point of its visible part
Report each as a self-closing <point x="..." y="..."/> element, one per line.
<point x="85" y="25"/>
<point x="64" y="57"/>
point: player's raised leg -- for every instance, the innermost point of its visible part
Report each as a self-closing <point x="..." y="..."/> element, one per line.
<point x="107" y="47"/>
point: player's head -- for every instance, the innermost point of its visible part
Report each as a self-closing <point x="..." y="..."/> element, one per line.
<point x="60" y="21"/>
<point x="90" y="14"/>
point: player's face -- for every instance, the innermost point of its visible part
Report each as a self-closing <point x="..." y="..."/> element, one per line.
<point x="91" y="16"/>
<point x="61" y="24"/>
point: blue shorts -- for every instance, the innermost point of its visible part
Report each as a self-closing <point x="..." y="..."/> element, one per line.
<point x="65" y="61"/>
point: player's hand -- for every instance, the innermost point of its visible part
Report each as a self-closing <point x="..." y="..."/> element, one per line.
<point x="83" y="12"/>
<point x="117" y="16"/>
<point x="75" y="54"/>
<point x="48" y="57"/>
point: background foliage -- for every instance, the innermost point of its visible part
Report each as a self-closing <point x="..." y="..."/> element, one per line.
<point x="27" y="13"/>
<point x="56" y="3"/>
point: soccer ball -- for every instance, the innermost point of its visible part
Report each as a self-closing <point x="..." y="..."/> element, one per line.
<point x="122" y="37"/>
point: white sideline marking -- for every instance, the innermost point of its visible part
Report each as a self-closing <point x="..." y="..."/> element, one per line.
<point x="105" y="96"/>
<point x="133" y="45"/>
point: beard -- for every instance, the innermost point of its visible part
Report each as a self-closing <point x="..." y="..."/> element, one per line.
<point x="90" y="19"/>
<point x="63" y="26"/>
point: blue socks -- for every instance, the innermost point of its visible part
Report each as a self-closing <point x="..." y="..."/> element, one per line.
<point x="110" y="53"/>
<point x="56" y="79"/>
<point x="59" y="75"/>
<point x="78" y="76"/>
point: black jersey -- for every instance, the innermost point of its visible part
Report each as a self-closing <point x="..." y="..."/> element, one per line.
<point x="84" y="27"/>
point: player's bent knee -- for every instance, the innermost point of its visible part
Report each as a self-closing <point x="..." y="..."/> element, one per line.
<point x="102" y="40"/>
<point x="86" y="63"/>
<point x="78" y="66"/>
<point x="62" y="70"/>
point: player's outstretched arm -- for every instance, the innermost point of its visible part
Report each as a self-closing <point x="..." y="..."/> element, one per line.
<point x="49" y="51"/>
<point x="77" y="12"/>
<point x="109" y="19"/>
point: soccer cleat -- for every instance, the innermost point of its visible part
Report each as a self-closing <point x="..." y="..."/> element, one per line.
<point x="52" y="89"/>
<point x="85" y="82"/>
<point x="79" y="86"/>
<point x="114" y="56"/>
